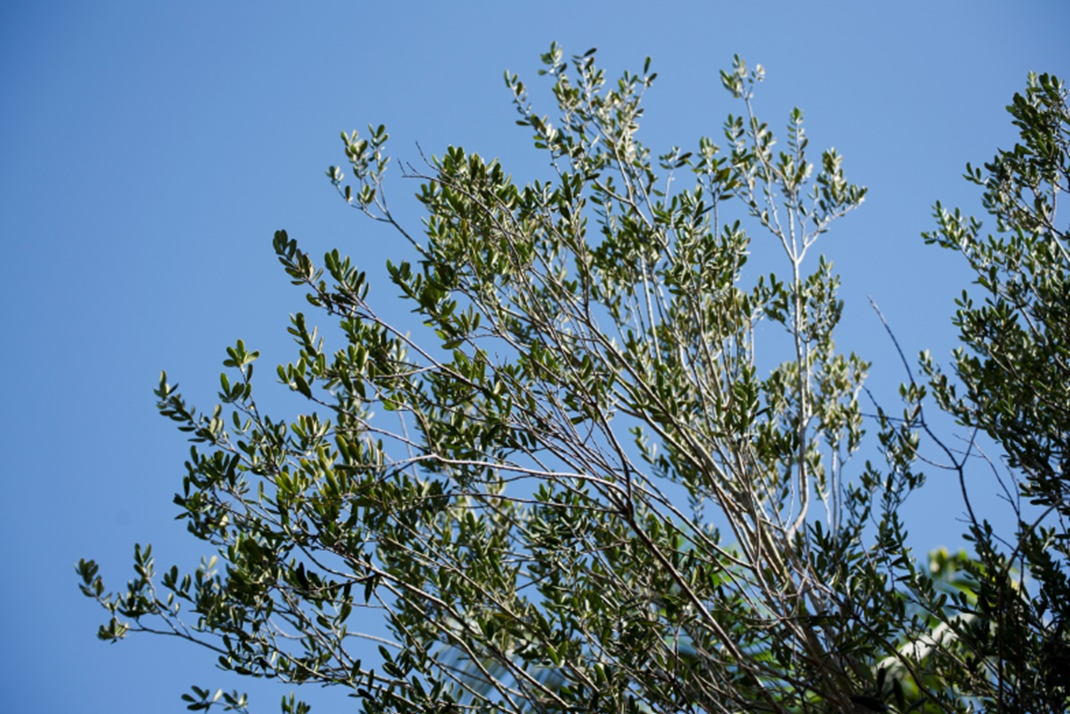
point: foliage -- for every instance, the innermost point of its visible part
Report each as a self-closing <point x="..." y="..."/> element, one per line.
<point x="577" y="489"/>
<point x="1014" y="385"/>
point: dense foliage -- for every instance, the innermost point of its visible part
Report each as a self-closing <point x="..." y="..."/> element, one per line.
<point x="576" y="489"/>
<point x="1014" y="386"/>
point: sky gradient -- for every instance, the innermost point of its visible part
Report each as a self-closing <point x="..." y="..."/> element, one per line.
<point x="152" y="149"/>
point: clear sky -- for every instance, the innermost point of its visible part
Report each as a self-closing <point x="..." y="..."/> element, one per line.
<point x="150" y="150"/>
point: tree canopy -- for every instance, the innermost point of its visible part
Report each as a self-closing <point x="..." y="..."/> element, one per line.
<point x="585" y="481"/>
<point x="1012" y="381"/>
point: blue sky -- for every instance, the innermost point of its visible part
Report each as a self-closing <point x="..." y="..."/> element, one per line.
<point x="150" y="151"/>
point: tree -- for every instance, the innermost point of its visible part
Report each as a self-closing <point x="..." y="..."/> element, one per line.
<point x="578" y="488"/>
<point x="1013" y="384"/>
